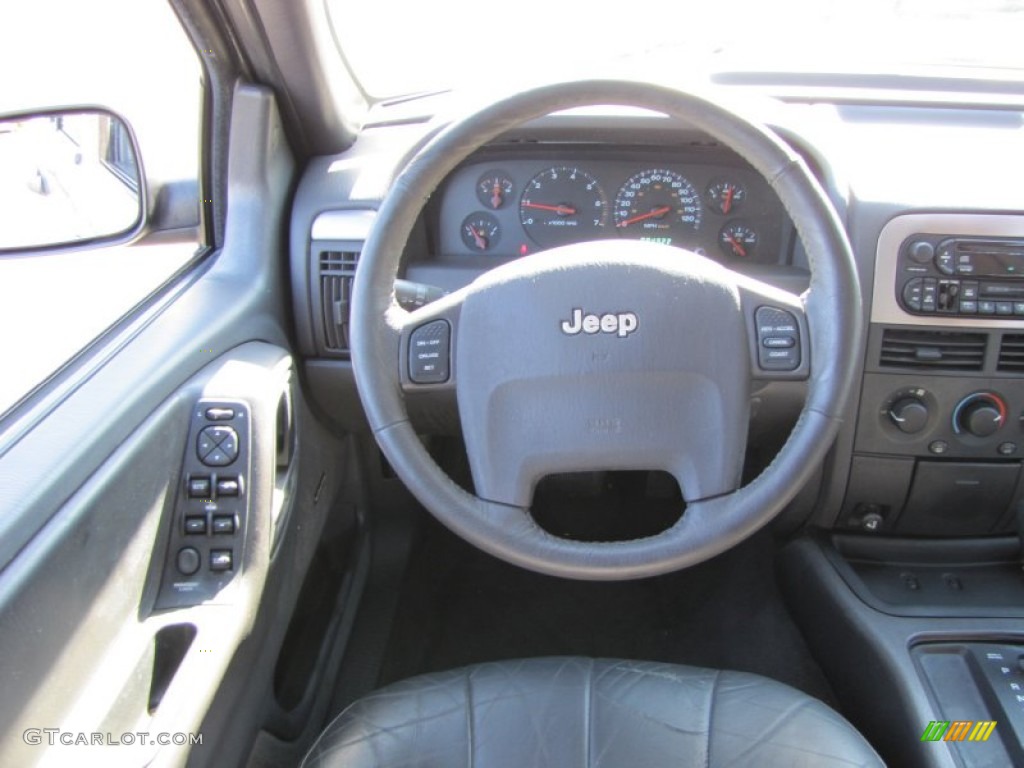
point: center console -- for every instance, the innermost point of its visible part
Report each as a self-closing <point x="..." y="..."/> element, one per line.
<point x="939" y="443"/>
<point x="914" y="602"/>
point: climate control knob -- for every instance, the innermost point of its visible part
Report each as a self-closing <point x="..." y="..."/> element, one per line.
<point x="981" y="414"/>
<point x="909" y="414"/>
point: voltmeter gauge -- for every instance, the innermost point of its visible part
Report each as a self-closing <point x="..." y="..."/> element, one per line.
<point x="738" y="240"/>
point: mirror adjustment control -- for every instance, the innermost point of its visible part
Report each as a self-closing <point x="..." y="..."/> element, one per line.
<point x="217" y="446"/>
<point x="778" y="339"/>
<point x="220" y="414"/>
<point x="430" y="353"/>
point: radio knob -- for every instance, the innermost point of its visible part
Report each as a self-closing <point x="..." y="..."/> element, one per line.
<point x="921" y="251"/>
<point x="980" y="415"/>
<point x="909" y="414"/>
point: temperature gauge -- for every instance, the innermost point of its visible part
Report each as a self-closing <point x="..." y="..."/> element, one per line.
<point x="725" y="197"/>
<point x="738" y="240"/>
<point x="493" y="189"/>
<point x="480" y="231"/>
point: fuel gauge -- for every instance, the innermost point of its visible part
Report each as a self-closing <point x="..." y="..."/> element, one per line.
<point x="738" y="240"/>
<point x="725" y="197"/>
<point x="480" y="231"/>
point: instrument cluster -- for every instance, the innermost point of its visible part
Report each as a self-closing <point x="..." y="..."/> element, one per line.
<point x="507" y="207"/>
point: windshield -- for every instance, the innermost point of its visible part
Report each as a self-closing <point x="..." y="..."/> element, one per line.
<point x="394" y="47"/>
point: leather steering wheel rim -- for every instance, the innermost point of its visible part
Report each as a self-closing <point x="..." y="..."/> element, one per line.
<point x="832" y="306"/>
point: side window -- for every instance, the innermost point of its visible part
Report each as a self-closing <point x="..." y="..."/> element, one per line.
<point x="77" y="72"/>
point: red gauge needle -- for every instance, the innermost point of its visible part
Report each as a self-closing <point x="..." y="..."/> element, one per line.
<point x="737" y="246"/>
<point x="480" y="240"/>
<point x="561" y="210"/>
<point x="649" y="215"/>
<point x="496" y="196"/>
<point x="727" y="202"/>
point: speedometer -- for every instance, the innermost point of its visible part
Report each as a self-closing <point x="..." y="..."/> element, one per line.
<point x="658" y="204"/>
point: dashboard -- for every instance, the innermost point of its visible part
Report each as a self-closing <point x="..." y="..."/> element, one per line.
<point x="703" y="199"/>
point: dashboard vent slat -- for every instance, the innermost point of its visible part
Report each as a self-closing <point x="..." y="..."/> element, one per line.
<point x="337" y="269"/>
<point x="1011" y="353"/>
<point x="937" y="350"/>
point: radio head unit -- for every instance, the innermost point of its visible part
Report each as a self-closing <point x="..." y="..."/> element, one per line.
<point x="961" y="276"/>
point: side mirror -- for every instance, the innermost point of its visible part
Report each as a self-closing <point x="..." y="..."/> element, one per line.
<point x="71" y="177"/>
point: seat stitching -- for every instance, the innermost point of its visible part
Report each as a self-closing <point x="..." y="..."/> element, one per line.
<point x="469" y="718"/>
<point x="711" y="715"/>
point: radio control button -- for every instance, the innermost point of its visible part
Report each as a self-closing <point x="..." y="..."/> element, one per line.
<point x="986" y="307"/>
<point x="1018" y="307"/>
<point x="930" y="294"/>
<point x="968" y="307"/>
<point x="921" y="251"/>
<point x="944" y="259"/>
<point x="913" y="293"/>
<point x="1004" y="308"/>
<point x="969" y="290"/>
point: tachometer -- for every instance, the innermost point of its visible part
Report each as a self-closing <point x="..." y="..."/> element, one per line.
<point x="658" y="204"/>
<point x="563" y="205"/>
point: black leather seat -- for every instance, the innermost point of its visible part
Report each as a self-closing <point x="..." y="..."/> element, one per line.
<point x="563" y="712"/>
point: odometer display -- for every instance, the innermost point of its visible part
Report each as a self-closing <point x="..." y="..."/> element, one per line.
<point x="658" y="204"/>
<point x="563" y="205"/>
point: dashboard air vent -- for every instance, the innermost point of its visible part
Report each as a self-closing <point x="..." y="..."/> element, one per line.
<point x="936" y="350"/>
<point x="1011" y="353"/>
<point x="337" y="269"/>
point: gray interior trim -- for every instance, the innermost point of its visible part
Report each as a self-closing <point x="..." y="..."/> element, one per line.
<point x="353" y="224"/>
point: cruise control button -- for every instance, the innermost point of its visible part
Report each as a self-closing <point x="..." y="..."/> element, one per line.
<point x="430" y="353"/>
<point x="223" y="524"/>
<point x="779" y="341"/>
<point x="220" y="560"/>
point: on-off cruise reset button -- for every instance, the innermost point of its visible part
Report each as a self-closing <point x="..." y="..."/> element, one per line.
<point x="430" y="353"/>
<point x="778" y="339"/>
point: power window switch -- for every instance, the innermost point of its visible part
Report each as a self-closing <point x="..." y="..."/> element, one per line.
<point x="199" y="486"/>
<point x="224" y="524"/>
<point x="195" y="525"/>
<point x="228" y="486"/>
<point x="221" y="560"/>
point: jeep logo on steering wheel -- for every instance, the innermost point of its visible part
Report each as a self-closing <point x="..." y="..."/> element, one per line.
<point x="621" y="324"/>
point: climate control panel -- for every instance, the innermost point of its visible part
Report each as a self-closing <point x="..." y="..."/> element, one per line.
<point x="930" y="416"/>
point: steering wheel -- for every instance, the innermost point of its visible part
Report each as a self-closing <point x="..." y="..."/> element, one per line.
<point x="612" y="354"/>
